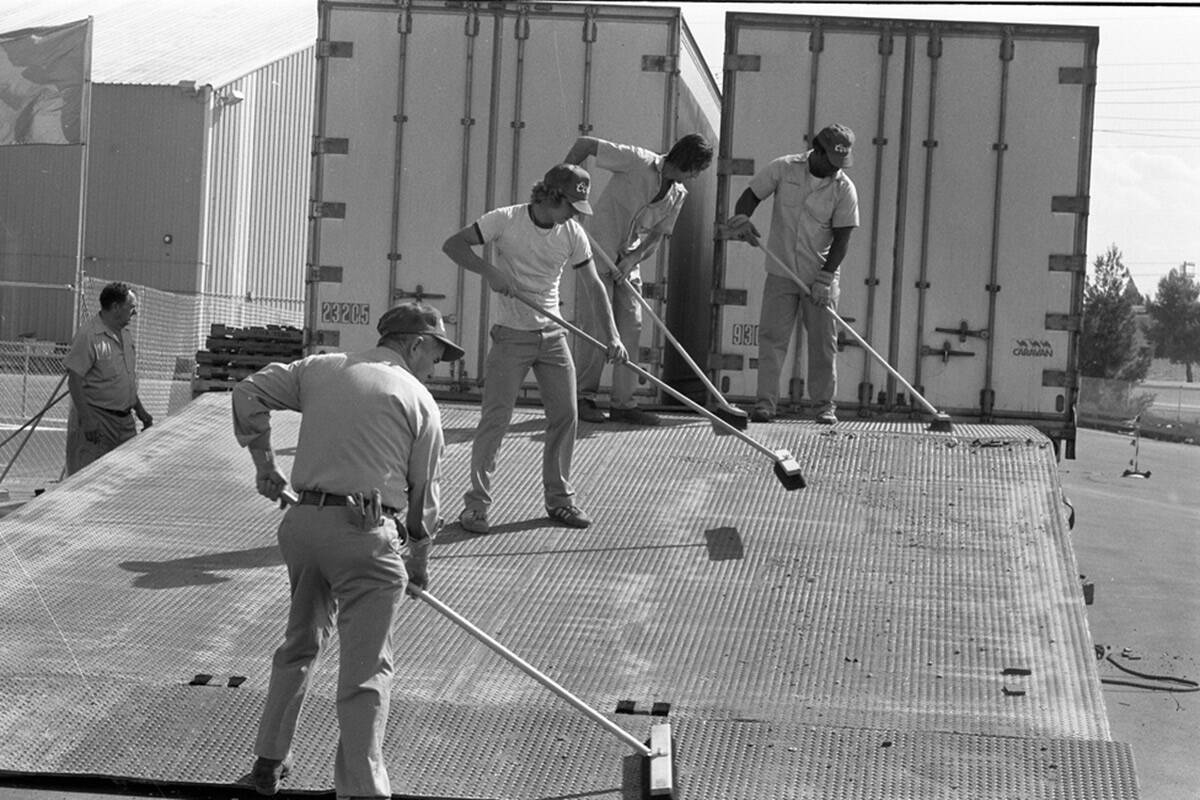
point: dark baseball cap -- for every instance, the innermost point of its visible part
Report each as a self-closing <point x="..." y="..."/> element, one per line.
<point x="573" y="182"/>
<point x="837" y="141"/>
<point x="419" y="318"/>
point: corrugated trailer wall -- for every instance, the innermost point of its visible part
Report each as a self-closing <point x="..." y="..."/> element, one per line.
<point x="430" y="114"/>
<point x="39" y="229"/>
<point x="972" y="167"/>
<point x="258" y="161"/>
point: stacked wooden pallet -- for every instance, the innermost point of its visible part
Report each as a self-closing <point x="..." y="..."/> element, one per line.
<point x="233" y="353"/>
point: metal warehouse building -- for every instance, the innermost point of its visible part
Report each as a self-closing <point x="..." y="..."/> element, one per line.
<point x="195" y="170"/>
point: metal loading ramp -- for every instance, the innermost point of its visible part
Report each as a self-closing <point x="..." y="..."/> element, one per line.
<point x="909" y="625"/>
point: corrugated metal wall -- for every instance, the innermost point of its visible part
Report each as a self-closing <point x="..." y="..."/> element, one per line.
<point x="258" y="171"/>
<point x="145" y="185"/>
<point x="39" y="221"/>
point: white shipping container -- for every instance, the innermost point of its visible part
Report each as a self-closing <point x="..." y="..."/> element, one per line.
<point x="972" y="162"/>
<point x="429" y="114"/>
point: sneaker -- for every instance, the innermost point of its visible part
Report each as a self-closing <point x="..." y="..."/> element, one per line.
<point x="572" y="516"/>
<point x="634" y="416"/>
<point x="268" y="773"/>
<point x="474" y="521"/>
<point x="761" y="414"/>
<point x="827" y="416"/>
<point x="588" y="412"/>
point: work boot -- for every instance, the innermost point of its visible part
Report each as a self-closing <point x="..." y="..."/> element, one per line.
<point x="827" y="416"/>
<point x="762" y="413"/>
<point x="633" y="416"/>
<point x="588" y="412"/>
<point x="474" y="521"/>
<point x="268" y="773"/>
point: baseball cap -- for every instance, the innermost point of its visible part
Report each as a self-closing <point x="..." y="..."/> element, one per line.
<point x="573" y="182"/>
<point x="837" y="140"/>
<point x="419" y="318"/>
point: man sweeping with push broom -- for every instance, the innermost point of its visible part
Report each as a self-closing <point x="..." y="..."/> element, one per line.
<point x="634" y="214"/>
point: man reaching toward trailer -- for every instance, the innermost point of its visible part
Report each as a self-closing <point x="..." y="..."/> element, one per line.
<point x="815" y="210"/>
<point x="366" y="470"/>
<point x="635" y="212"/>
<point x="533" y="243"/>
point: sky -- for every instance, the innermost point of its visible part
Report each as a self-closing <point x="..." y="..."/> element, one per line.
<point x="1145" y="182"/>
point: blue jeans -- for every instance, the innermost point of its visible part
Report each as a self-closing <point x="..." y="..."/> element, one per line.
<point x="784" y="301"/>
<point x="512" y="354"/>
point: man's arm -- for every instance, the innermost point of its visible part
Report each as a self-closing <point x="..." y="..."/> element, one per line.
<point x="740" y="226"/>
<point x="822" y="288"/>
<point x="87" y="418"/>
<point x="142" y="414"/>
<point x="584" y="147"/>
<point x="601" y="308"/>
<point x="422" y="518"/>
<point x="274" y="387"/>
<point x="460" y="249"/>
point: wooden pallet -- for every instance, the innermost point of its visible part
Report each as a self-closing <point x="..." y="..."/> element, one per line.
<point x="232" y="353"/>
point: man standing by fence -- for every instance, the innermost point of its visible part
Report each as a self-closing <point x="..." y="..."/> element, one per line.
<point x="102" y="380"/>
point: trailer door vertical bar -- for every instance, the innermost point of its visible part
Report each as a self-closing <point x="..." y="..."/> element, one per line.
<point x="987" y="397"/>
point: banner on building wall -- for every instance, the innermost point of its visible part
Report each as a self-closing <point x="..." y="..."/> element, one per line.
<point x="43" y="79"/>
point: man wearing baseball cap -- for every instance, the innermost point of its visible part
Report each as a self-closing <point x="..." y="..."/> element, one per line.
<point x="533" y="243"/>
<point x="366" y="481"/>
<point x="815" y="210"/>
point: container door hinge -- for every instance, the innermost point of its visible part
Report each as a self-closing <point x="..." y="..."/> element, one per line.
<point x="328" y="49"/>
<point x="1077" y="75"/>
<point x="1068" y="262"/>
<point x="726" y="362"/>
<point x="660" y="63"/>
<point x="963" y="331"/>
<point x="324" y="338"/>
<point x="735" y="166"/>
<point x="418" y="293"/>
<point x="1062" y="322"/>
<point x="324" y="274"/>
<point x="1068" y="204"/>
<point x="319" y="210"/>
<point x="330" y="146"/>
<point x="729" y="297"/>
<point x="739" y="62"/>
<point x="1057" y="377"/>
<point x="945" y="352"/>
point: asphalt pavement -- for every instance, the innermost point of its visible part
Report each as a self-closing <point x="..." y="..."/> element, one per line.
<point x="1137" y="539"/>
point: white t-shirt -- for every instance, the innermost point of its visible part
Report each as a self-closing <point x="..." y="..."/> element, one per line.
<point x="534" y="258"/>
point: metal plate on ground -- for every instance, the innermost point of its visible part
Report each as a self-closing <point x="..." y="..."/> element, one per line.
<point x="921" y="589"/>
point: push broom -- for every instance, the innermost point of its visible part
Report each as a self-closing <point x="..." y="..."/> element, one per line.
<point x="734" y="416"/>
<point x="941" y="421"/>
<point x="787" y="468"/>
<point x="657" y="754"/>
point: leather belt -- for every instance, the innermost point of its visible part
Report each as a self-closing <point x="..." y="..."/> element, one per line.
<point x="308" y="497"/>
<point x="112" y="411"/>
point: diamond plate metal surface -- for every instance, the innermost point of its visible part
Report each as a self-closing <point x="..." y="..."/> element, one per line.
<point x="921" y="591"/>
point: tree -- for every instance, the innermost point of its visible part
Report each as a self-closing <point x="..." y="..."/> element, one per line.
<point x="1108" y="346"/>
<point x="1175" y="315"/>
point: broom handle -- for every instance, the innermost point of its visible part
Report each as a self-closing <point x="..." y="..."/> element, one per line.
<point x="863" y="342"/>
<point x="608" y="262"/>
<point x="531" y="671"/>
<point x="671" y="390"/>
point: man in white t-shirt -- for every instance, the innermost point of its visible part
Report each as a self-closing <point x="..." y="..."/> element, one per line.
<point x="533" y="243"/>
<point x="634" y="214"/>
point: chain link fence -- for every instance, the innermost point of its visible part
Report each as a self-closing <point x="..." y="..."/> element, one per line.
<point x="168" y="330"/>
